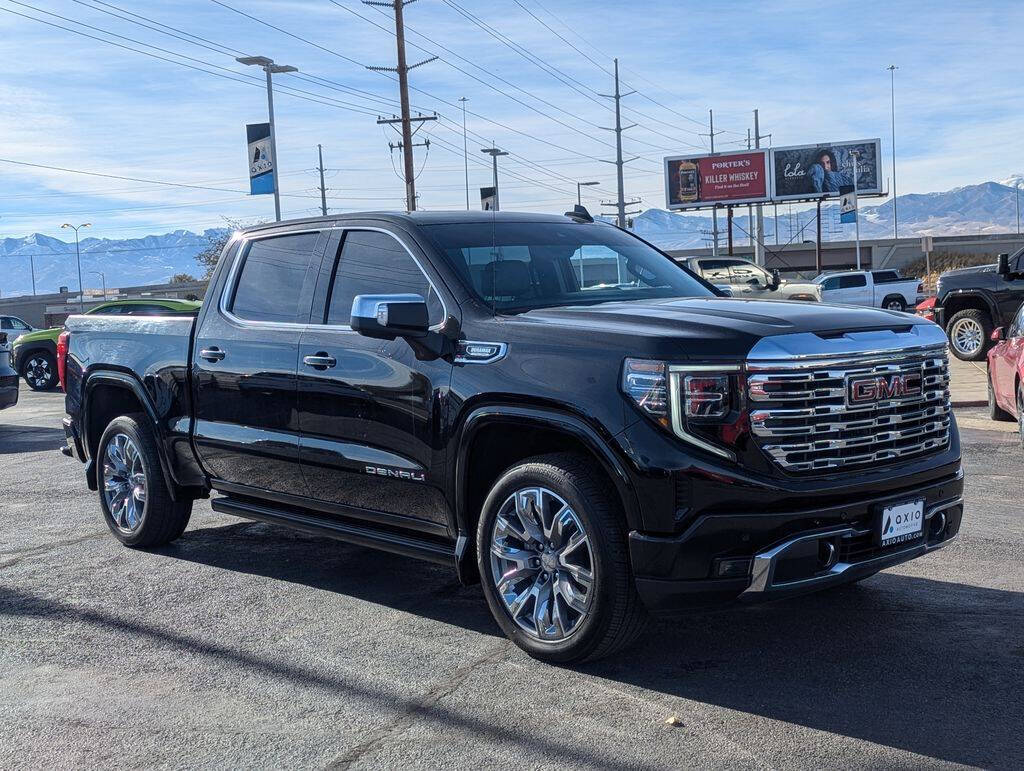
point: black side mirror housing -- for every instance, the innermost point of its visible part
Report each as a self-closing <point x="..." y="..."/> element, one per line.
<point x="776" y="278"/>
<point x="388" y="316"/>
<point x="1003" y="266"/>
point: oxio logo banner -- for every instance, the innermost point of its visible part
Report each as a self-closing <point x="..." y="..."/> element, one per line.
<point x="261" y="162"/>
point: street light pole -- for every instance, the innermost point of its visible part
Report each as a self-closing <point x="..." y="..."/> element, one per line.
<point x="78" y="257"/>
<point x="1016" y="195"/>
<point x="579" y="197"/>
<point x="103" y="280"/>
<point x="270" y="68"/>
<point x="892" y="100"/>
<point x="465" y="148"/>
<point x="494" y="152"/>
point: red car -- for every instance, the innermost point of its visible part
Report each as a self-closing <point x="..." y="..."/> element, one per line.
<point x="1006" y="373"/>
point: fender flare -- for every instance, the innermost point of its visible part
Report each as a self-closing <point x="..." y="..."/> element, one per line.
<point x="989" y="303"/>
<point x="123" y="380"/>
<point x="544" y="417"/>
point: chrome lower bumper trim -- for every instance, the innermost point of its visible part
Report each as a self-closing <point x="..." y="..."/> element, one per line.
<point x="763" y="565"/>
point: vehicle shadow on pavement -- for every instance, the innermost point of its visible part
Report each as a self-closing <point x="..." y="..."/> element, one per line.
<point x="335" y="566"/>
<point x="18" y="439"/>
<point x="912" y="663"/>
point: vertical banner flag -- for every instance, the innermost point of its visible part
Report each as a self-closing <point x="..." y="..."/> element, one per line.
<point x="261" y="163"/>
<point x="487" y="198"/>
<point x="847" y="205"/>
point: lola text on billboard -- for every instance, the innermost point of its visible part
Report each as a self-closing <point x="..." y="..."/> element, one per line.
<point x="703" y="180"/>
<point x="813" y="171"/>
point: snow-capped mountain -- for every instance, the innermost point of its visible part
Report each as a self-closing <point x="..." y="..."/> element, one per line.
<point x="124" y="262"/>
<point x="989" y="207"/>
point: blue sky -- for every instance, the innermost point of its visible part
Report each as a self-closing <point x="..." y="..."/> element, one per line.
<point x="816" y="73"/>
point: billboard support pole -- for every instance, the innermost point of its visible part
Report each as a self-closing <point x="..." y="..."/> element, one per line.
<point x="728" y="219"/>
<point x="856" y="220"/>
<point x="817" y="242"/>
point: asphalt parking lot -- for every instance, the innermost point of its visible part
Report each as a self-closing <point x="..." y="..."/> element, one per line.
<point x="248" y="646"/>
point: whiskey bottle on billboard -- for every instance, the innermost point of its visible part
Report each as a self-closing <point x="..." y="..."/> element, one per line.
<point x="688" y="182"/>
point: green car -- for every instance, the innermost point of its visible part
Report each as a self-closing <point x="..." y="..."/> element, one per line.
<point x="35" y="353"/>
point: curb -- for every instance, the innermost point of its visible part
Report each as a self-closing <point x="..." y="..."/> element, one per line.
<point x="971" y="403"/>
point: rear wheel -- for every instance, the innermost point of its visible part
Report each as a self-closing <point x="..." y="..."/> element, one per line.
<point x="552" y="556"/>
<point x="968" y="333"/>
<point x="995" y="412"/>
<point x="894" y="303"/>
<point x="40" y="370"/>
<point x="1020" y="413"/>
<point x="137" y="505"/>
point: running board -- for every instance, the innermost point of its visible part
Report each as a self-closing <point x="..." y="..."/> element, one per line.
<point x="410" y="546"/>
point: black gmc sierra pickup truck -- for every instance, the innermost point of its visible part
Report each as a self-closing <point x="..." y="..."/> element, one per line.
<point x="548" y="404"/>
<point x="970" y="302"/>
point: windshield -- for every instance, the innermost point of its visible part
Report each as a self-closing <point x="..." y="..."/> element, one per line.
<point x="521" y="266"/>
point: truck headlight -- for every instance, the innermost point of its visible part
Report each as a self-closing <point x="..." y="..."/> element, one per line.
<point x="701" y="404"/>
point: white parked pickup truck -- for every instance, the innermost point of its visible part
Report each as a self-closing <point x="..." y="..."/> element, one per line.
<point x="875" y="288"/>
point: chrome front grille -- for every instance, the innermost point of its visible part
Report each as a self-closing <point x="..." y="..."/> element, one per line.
<point x="801" y="415"/>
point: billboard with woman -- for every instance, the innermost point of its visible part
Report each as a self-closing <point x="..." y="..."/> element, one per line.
<point x="813" y="171"/>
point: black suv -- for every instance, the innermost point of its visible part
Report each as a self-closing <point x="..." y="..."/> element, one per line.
<point x="547" y="404"/>
<point x="971" y="302"/>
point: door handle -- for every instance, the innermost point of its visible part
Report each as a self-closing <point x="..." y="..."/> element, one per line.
<point x="321" y="360"/>
<point x="212" y="354"/>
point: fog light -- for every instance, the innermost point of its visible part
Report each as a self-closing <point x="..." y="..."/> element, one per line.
<point x="732" y="568"/>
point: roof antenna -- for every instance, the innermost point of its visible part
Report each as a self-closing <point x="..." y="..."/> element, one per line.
<point x="579" y="213"/>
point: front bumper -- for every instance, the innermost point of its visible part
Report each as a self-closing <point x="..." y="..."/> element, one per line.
<point x="774" y="555"/>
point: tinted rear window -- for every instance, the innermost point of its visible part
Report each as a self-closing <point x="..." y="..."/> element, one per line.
<point x="275" y="273"/>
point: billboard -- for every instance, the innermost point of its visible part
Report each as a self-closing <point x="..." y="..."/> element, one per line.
<point x="693" y="181"/>
<point x="261" y="164"/>
<point x="812" y="171"/>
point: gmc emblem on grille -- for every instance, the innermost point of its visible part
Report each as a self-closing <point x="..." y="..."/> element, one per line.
<point x="880" y="388"/>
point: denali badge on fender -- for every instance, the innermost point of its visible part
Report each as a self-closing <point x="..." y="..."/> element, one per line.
<point x="381" y="471"/>
<point x="882" y="388"/>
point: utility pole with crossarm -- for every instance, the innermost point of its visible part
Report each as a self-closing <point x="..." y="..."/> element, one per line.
<point x="403" y="87"/>
<point x="620" y="203"/>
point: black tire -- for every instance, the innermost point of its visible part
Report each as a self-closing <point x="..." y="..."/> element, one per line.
<point x="995" y="412"/>
<point x="40" y="370"/>
<point x="969" y="317"/>
<point x="1020" y="413"/>
<point x="615" y="615"/>
<point x="894" y="303"/>
<point x="162" y="519"/>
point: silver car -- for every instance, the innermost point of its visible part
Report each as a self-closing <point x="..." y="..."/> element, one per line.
<point x="14" y="327"/>
<point x="750" y="281"/>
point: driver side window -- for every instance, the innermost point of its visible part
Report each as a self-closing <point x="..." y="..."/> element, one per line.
<point x="1017" y="327"/>
<point x="829" y="284"/>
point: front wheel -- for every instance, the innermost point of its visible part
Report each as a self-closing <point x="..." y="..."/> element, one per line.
<point x="552" y="556"/>
<point x="995" y="412"/>
<point x="40" y="371"/>
<point x="136" y="502"/>
<point x="968" y="333"/>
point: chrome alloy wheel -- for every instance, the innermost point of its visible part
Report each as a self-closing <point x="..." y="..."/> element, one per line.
<point x="894" y="305"/>
<point x="967" y="336"/>
<point x="38" y="371"/>
<point x="542" y="564"/>
<point x="124" y="483"/>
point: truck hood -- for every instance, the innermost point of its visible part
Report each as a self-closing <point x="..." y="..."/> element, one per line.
<point x="711" y="326"/>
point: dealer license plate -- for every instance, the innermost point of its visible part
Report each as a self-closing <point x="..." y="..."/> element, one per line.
<point x="902" y="522"/>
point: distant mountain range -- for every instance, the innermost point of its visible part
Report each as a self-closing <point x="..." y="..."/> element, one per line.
<point x="974" y="209"/>
<point x="124" y="262"/>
